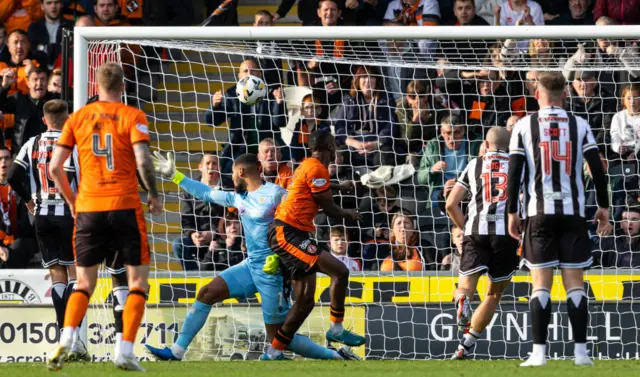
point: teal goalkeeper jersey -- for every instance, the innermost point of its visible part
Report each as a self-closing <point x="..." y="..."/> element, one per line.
<point x="256" y="209"/>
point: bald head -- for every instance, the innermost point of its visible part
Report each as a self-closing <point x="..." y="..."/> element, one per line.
<point x="604" y="21"/>
<point x="498" y="138"/>
<point x="85" y="21"/>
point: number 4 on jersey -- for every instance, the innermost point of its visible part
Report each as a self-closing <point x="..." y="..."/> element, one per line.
<point x="106" y="151"/>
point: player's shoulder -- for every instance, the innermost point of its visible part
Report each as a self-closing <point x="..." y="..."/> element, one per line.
<point x="534" y="6"/>
<point x="311" y="163"/>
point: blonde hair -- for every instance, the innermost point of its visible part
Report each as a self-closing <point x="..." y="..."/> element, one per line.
<point x="110" y="77"/>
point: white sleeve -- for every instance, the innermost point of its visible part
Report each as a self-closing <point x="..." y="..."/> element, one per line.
<point x="430" y="8"/>
<point x="24" y="157"/>
<point x="537" y="14"/>
<point x="503" y="14"/>
<point x="388" y="15"/>
<point x="614" y="132"/>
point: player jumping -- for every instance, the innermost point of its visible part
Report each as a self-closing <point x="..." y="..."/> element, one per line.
<point x="289" y="238"/>
<point x="257" y="202"/>
<point x="550" y="147"/>
<point x="487" y="247"/>
<point x="113" y="141"/>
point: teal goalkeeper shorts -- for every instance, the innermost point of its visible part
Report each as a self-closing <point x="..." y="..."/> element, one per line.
<point x="245" y="280"/>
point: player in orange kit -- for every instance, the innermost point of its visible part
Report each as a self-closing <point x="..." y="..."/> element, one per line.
<point x="113" y="142"/>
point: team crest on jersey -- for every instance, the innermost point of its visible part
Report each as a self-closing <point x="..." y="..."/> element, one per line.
<point x="261" y="200"/>
<point x="319" y="182"/>
<point x="311" y="249"/>
<point x="304" y="244"/>
<point x="142" y="128"/>
<point x="242" y="210"/>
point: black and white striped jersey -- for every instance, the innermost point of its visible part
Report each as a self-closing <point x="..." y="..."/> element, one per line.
<point x="553" y="144"/>
<point x="485" y="178"/>
<point x="34" y="157"/>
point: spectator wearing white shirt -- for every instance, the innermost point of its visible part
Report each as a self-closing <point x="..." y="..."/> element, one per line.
<point x="625" y="125"/>
<point x="512" y="11"/>
<point x="338" y="245"/>
<point x="416" y="13"/>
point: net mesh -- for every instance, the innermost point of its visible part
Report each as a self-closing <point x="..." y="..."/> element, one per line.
<point x="475" y="83"/>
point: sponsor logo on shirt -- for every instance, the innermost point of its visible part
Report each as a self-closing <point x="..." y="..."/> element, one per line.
<point x="142" y="128"/>
<point x="319" y="182"/>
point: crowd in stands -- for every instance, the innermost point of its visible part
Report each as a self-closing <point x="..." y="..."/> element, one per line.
<point x="433" y="119"/>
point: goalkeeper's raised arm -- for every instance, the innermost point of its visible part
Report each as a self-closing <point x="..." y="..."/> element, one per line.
<point x="167" y="167"/>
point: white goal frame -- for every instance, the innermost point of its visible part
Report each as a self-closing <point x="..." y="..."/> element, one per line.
<point x="82" y="36"/>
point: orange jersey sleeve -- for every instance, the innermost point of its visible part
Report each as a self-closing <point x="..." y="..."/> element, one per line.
<point x="300" y="208"/>
<point x="104" y="134"/>
<point x="67" y="139"/>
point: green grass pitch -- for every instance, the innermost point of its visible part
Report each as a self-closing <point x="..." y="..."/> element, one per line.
<point x="334" y="368"/>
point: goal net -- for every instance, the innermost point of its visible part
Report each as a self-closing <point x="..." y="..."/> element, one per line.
<point x="393" y="96"/>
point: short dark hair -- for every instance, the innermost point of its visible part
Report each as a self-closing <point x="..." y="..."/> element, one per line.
<point x="552" y="82"/>
<point x="95" y="2"/>
<point x="19" y="32"/>
<point x="247" y="160"/>
<point x="320" y="140"/>
<point x="55" y="107"/>
<point x="473" y="3"/>
<point x="38" y="70"/>
<point x="322" y="1"/>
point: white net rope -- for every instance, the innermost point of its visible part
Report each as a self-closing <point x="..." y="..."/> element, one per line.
<point x="416" y="87"/>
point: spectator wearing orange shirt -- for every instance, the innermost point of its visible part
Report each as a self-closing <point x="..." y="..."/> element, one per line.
<point x="405" y="249"/>
<point x="19" y="14"/>
<point x="274" y="169"/>
<point x="20" y="62"/>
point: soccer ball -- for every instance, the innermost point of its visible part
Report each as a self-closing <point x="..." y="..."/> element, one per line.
<point x="251" y="90"/>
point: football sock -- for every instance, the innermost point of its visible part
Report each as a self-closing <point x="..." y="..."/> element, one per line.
<point x="337" y="317"/>
<point x="76" y="308"/>
<point x="59" y="304"/>
<point x="196" y="318"/>
<point x="469" y="339"/>
<point x="578" y="314"/>
<point x="306" y="347"/>
<point x="119" y="300"/>
<point x="540" y="305"/>
<point x="131" y="318"/>
<point x="280" y="341"/>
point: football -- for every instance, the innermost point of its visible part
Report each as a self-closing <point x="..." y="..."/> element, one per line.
<point x="251" y="90"/>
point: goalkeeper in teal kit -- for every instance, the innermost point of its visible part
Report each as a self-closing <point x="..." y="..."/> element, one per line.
<point x="256" y="203"/>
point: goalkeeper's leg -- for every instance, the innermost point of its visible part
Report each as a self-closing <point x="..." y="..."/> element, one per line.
<point x="234" y="282"/>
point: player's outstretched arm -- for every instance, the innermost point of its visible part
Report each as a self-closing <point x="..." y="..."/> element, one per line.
<point x="166" y="166"/>
<point x="325" y="201"/>
<point x="145" y="168"/>
<point x="59" y="176"/>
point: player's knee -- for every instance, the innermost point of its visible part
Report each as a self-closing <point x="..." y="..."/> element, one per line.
<point x="58" y="273"/>
<point x="342" y="274"/>
<point x="494" y="296"/>
<point x="211" y="293"/>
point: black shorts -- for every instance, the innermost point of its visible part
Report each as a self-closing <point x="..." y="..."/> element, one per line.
<point x="55" y="240"/>
<point x="496" y="255"/>
<point x="556" y="241"/>
<point x="298" y="253"/>
<point x="115" y="237"/>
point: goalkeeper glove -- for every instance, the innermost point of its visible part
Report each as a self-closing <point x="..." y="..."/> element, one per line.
<point x="167" y="167"/>
<point x="271" y="265"/>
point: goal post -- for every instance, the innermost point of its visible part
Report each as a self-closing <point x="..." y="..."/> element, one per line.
<point x="404" y="314"/>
